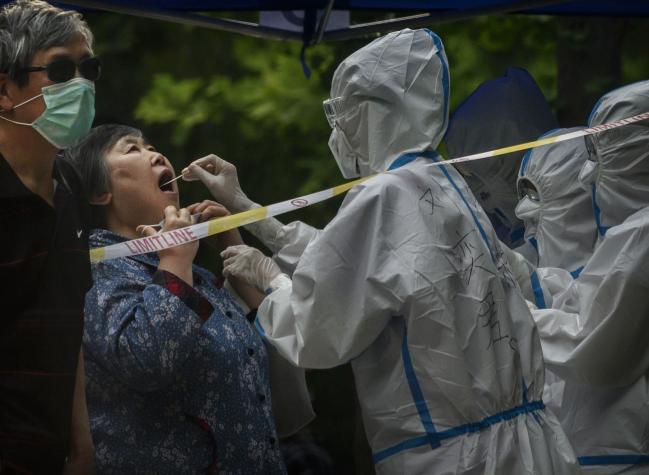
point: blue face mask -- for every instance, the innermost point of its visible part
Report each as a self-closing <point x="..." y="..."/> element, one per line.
<point x="69" y="112"/>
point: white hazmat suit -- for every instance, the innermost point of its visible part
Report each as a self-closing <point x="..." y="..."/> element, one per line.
<point x="596" y="327"/>
<point x="559" y="224"/>
<point x="408" y="282"/>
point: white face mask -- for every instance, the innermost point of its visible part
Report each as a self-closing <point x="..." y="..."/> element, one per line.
<point x="588" y="175"/>
<point x="529" y="211"/>
<point x="343" y="153"/>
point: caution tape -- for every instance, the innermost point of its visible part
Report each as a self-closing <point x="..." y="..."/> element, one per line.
<point x="177" y="237"/>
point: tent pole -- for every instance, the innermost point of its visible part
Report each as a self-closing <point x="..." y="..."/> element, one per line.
<point x="426" y="19"/>
<point x="354" y="31"/>
<point x="324" y="21"/>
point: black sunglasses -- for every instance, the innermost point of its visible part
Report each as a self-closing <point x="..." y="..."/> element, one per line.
<point x="62" y="70"/>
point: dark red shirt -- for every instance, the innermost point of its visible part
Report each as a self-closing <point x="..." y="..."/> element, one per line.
<point x="44" y="275"/>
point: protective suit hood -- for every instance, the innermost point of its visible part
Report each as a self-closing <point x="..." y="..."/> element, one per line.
<point x="392" y="99"/>
<point x="503" y="111"/>
<point x="620" y="180"/>
<point x="565" y="228"/>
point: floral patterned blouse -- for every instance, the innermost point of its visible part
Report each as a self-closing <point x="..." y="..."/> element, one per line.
<point x="177" y="377"/>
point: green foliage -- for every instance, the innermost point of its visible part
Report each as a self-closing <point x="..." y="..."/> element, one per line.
<point x="483" y="48"/>
<point x="179" y="102"/>
<point x="196" y="91"/>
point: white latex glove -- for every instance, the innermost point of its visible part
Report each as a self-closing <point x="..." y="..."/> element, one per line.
<point x="250" y="265"/>
<point x="220" y="178"/>
<point x="521" y="268"/>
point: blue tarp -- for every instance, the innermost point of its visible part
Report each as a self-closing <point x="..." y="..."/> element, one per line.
<point x="410" y="13"/>
<point x="582" y="7"/>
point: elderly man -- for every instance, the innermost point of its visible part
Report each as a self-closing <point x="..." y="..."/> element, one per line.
<point x="47" y="74"/>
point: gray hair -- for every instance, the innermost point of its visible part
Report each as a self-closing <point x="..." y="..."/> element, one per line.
<point x="88" y="157"/>
<point x="28" y="26"/>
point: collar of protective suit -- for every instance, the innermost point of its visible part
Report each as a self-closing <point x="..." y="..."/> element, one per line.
<point x="395" y="94"/>
<point x="562" y="225"/>
<point x="503" y="111"/>
<point x="620" y="185"/>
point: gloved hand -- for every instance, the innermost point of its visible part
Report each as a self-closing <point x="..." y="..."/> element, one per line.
<point x="250" y="265"/>
<point x="220" y="178"/>
<point x="521" y="268"/>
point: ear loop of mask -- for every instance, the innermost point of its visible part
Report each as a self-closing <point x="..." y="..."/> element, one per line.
<point x="16" y="107"/>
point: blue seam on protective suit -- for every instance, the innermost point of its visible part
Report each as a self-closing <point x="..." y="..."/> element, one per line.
<point x="259" y="328"/>
<point x="445" y="76"/>
<point x="417" y="393"/>
<point x="592" y="112"/>
<point x="614" y="460"/>
<point x="538" y="291"/>
<point x="526" y="159"/>
<point x="534" y="244"/>
<point x="406" y="158"/>
<point x="466" y="203"/>
<point x="472" y="427"/>
<point x="597" y="212"/>
<point x="577" y="272"/>
<point x="432" y="437"/>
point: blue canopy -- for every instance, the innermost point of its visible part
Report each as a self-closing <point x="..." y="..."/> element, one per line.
<point x="420" y="13"/>
<point x="580" y="7"/>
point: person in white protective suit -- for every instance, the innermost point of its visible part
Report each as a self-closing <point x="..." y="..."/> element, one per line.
<point x="595" y="329"/>
<point x="554" y="207"/>
<point x="559" y="224"/>
<point x="408" y="282"/>
<point x="503" y="111"/>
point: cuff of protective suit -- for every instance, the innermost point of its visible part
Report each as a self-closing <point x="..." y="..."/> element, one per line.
<point x="242" y="203"/>
<point x="521" y="269"/>
<point x="281" y="281"/>
<point x="267" y="231"/>
<point x="185" y="292"/>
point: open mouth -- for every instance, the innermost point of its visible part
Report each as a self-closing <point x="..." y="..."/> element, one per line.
<point x="163" y="181"/>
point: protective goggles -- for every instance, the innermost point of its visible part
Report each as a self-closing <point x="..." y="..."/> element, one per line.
<point x="62" y="70"/>
<point x="527" y="188"/>
<point x="333" y="108"/>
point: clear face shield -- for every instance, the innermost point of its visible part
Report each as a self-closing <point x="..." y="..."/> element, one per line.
<point x="333" y="108"/>
<point x="527" y="189"/>
<point x="529" y="206"/>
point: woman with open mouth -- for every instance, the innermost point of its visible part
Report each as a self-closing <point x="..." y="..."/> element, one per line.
<point x="177" y="376"/>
